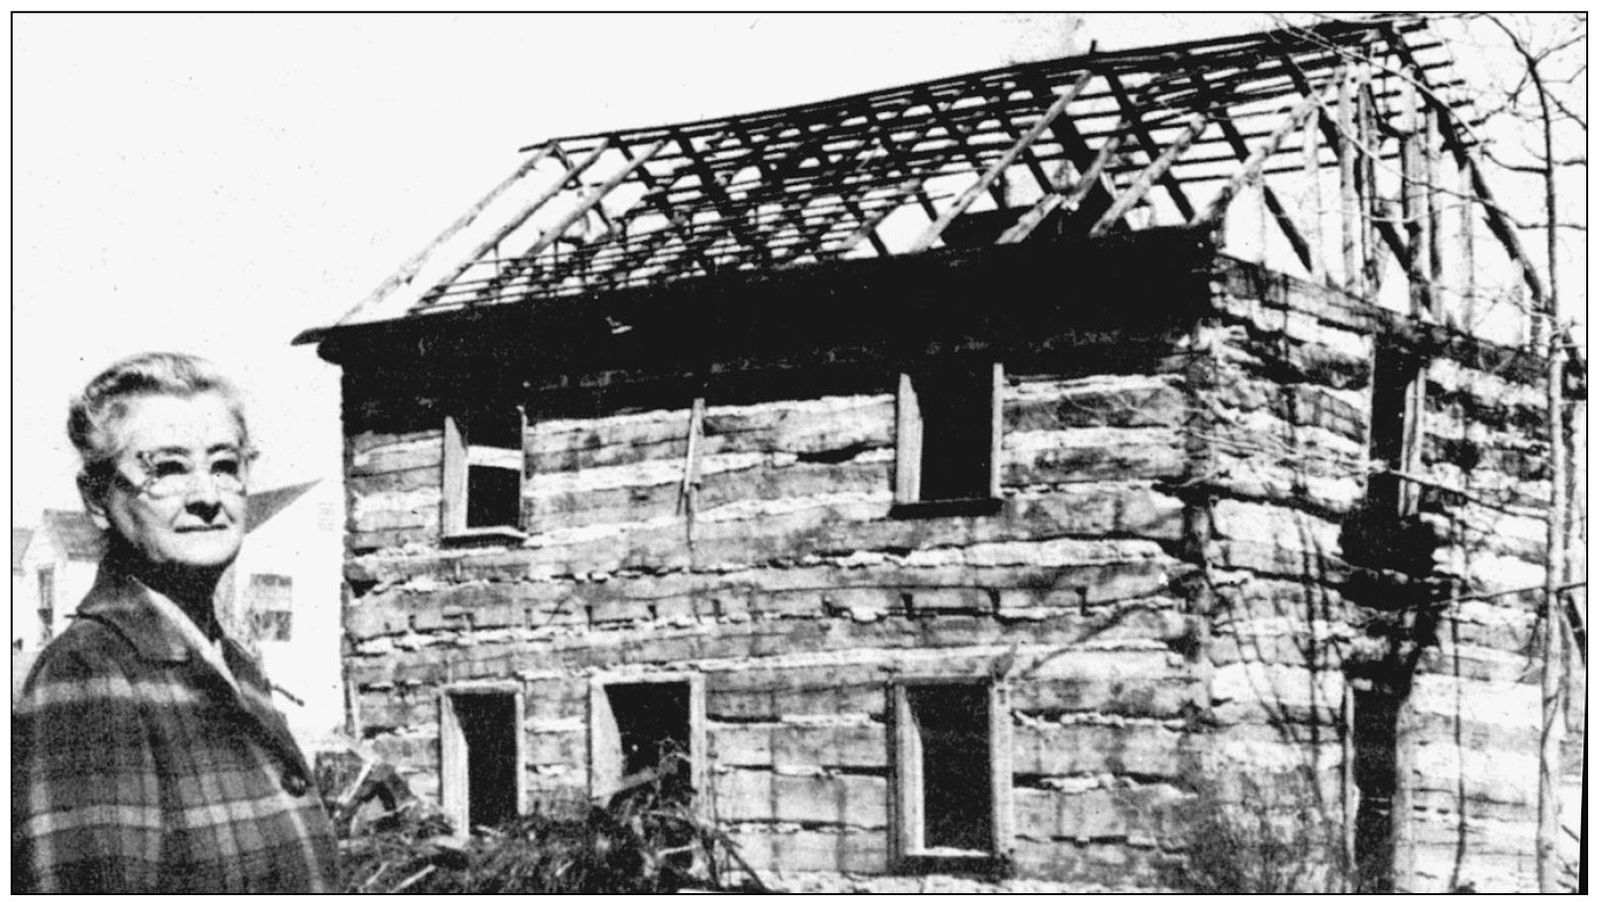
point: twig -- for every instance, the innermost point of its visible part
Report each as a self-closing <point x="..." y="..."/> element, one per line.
<point x="375" y="877"/>
<point x="413" y="879"/>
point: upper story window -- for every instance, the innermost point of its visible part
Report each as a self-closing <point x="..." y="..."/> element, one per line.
<point x="1395" y="412"/>
<point x="482" y="474"/>
<point x="949" y="432"/>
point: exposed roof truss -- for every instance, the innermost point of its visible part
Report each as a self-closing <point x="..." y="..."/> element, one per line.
<point x="1105" y="142"/>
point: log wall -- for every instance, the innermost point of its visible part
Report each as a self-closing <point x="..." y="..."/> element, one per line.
<point x="1314" y="613"/>
<point x="1164" y="586"/>
<point x="796" y="596"/>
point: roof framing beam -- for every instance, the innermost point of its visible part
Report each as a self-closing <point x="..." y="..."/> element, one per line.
<point x="1155" y="170"/>
<point x="1498" y="222"/>
<point x="1273" y="203"/>
<point x="591" y="199"/>
<point x="715" y="191"/>
<point x="988" y="179"/>
<point x="1073" y="141"/>
<point x="962" y="141"/>
<point x="411" y="268"/>
<point x="1006" y="123"/>
<point x="523" y="215"/>
<point x="1146" y="141"/>
<point x="832" y="166"/>
<point x="1335" y="139"/>
<point x="1091" y="178"/>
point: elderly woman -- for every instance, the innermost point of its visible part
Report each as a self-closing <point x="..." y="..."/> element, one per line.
<point x="146" y="753"/>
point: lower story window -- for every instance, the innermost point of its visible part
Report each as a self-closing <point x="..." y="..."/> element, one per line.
<point x="646" y="731"/>
<point x="481" y="756"/>
<point x="953" y="779"/>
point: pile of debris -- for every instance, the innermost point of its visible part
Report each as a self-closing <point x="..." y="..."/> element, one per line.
<point x="648" y="838"/>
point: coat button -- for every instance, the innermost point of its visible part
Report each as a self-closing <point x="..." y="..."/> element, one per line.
<point x="294" y="783"/>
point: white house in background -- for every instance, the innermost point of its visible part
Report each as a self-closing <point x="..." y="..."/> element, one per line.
<point x="52" y="568"/>
<point x="287" y="599"/>
<point x="284" y="598"/>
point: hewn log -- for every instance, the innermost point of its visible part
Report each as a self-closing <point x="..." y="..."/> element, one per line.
<point x="1090" y="455"/>
<point x="1146" y="750"/>
<point x="1149" y="812"/>
<point x="810" y="529"/>
<point x="775" y="744"/>
<point x="742" y="795"/>
<point x="822" y="849"/>
<point x="1136" y="401"/>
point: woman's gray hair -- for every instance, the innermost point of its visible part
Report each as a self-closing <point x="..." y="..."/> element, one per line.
<point x="95" y="413"/>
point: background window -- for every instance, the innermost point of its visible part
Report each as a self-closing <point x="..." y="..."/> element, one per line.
<point x="268" y="606"/>
<point x="47" y="603"/>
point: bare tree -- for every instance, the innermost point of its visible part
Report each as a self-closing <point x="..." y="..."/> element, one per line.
<point x="1549" y="50"/>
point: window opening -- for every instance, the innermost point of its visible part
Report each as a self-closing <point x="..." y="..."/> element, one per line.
<point x="483" y="470"/>
<point x="1376" y="778"/>
<point x="644" y="732"/>
<point x="47" y="603"/>
<point x="953" y="778"/>
<point x="949" y="433"/>
<point x="267" y="606"/>
<point x="1393" y="414"/>
<point x="481" y="758"/>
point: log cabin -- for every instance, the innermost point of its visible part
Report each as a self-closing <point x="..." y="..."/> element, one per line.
<point x="1022" y="475"/>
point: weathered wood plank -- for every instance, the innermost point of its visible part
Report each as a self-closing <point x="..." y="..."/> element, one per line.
<point x="1242" y="691"/>
<point x="387" y="539"/>
<point x="1306" y="540"/>
<point x="360" y="486"/>
<point x="762" y="691"/>
<point x="1098" y="865"/>
<point x="795" y="529"/>
<point x="835" y="423"/>
<point x="1149" y="812"/>
<point x="791" y="849"/>
<point x="1103" y="401"/>
<point x="1148" y="750"/>
<point x="1091" y="455"/>
<point x="398" y="456"/>
<point x="777" y="744"/>
<point x="549" y="509"/>
<point x="1344" y="413"/>
<point x="743" y="795"/>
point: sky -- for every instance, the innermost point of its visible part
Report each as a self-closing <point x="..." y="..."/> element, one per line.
<point x="217" y="183"/>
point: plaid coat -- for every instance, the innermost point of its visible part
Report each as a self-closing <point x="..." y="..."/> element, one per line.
<point x="136" y="767"/>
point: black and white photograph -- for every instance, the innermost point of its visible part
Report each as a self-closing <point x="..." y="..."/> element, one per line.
<point x="798" y="452"/>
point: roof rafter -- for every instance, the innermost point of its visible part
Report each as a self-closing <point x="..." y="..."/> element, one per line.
<point x="815" y="182"/>
<point x="1091" y="178"/>
<point x="1155" y="170"/>
<point x="1146" y="142"/>
<point x="988" y="179"/>
<point x="1272" y="202"/>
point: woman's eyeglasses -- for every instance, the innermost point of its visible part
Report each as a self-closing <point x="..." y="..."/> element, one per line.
<point x="168" y="473"/>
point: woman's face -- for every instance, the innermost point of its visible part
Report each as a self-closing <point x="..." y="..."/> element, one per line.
<point x="177" y="497"/>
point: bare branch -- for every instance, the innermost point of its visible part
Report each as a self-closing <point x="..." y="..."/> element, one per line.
<point x="1535" y="168"/>
<point x="1567" y="112"/>
<point x="1540" y="225"/>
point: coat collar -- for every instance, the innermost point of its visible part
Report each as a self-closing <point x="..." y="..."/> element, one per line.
<point x="125" y="604"/>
